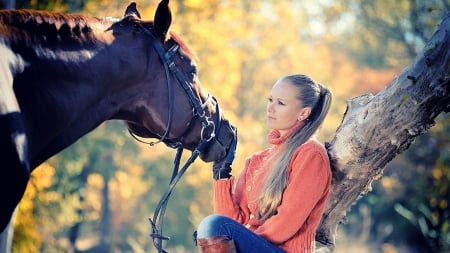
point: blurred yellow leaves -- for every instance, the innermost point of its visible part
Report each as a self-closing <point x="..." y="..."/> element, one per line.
<point x="437" y="173"/>
<point x="440" y="175"/>
<point x="30" y="238"/>
<point x="389" y="184"/>
<point x="41" y="179"/>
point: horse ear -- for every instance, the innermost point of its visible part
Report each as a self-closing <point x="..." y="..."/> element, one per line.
<point x="162" y="20"/>
<point x="132" y="10"/>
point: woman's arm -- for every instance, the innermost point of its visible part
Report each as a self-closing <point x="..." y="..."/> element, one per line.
<point x="233" y="205"/>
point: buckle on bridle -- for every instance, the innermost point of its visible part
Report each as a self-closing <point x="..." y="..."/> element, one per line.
<point x="211" y="134"/>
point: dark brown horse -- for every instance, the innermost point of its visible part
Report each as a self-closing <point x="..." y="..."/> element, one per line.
<point x="62" y="75"/>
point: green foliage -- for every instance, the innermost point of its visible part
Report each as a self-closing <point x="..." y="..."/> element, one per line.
<point x="384" y="33"/>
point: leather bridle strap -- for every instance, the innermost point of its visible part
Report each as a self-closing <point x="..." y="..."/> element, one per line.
<point x="171" y="67"/>
<point x="206" y="136"/>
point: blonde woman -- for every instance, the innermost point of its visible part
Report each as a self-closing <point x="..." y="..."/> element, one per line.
<point x="281" y="194"/>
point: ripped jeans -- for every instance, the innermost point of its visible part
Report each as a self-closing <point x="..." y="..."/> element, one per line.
<point x="246" y="240"/>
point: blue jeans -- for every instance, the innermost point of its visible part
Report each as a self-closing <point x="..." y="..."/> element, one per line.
<point x="246" y="240"/>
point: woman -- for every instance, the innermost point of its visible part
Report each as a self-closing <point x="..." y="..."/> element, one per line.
<point x="281" y="194"/>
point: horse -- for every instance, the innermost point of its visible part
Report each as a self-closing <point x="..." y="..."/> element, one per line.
<point x="62" y="75"/>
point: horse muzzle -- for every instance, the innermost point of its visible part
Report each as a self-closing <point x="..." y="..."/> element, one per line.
<point x="219" y="146"/>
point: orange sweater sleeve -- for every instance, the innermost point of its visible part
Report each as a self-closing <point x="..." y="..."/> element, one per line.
<point x="232" y="205"/>
<point x="309" y="183"/>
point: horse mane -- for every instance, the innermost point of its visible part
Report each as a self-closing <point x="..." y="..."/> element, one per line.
<point x="48" y="27"/>
<point x="44" y="27"/>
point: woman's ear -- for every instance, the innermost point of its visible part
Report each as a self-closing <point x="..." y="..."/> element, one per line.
<point x="304" y="113"/>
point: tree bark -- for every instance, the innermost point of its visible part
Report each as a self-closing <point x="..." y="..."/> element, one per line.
<point x="377" y="128"/>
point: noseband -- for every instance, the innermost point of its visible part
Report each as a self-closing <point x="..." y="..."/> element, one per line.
<point x="207" y="134"/>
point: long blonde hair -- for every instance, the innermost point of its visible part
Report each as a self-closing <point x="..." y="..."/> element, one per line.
<point x="318" y="98"/>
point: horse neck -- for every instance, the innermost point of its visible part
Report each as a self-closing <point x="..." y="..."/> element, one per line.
<point x="57" y="124"/>
<point x="65" y="79"/>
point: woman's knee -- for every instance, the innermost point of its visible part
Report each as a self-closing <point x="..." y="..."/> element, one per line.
<point x="211" y="225"/>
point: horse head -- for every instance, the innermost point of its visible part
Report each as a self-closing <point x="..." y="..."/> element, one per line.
<point x="177" y="109"/>
<point x="62" y="75"/>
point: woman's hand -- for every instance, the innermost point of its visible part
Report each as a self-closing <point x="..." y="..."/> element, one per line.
<point x="222" y="169"/>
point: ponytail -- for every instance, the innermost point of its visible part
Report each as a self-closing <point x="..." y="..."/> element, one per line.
<point x="318" y="114"/>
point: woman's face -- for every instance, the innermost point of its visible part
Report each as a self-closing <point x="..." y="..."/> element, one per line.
<point x="283" y="107"/>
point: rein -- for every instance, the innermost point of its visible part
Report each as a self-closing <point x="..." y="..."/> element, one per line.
<point x="208" y="133"/>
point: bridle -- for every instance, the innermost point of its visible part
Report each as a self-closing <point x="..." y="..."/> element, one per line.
<point x="209" y="128"/>
<point x="208" y="133"/>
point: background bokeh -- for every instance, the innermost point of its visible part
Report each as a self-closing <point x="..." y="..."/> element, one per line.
<point x="97" y="195"/>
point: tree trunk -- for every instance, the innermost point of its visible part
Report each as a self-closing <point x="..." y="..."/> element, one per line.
<point x="377" y="128"/>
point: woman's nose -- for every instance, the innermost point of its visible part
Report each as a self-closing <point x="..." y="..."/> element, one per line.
<point x="269" y="107"/>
